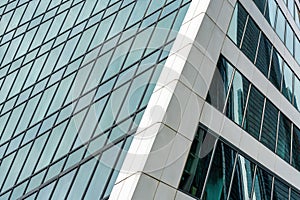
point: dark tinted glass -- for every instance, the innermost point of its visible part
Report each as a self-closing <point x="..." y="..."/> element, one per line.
<point x="287" y="82"/>
<point x="262" y="185"/>
<point x="268" y="135"/>
<point x="237" y="24"/>
<point x="254" y="111"/>
<point x="281" y="190"/>
<point x="263" y="55"/>
<point x="250" y="40"/>
<point x="195" y="170"/>
<point x="220" y="83"/>
<point x="284" y="138"/>
<point x="219" y="178"/>
<point x="237" y="98"/>
<point x="295" y="195"/>
<point x="260" y="4"/>
<point x="276" y="70"/>
<point x="296" y="148"/>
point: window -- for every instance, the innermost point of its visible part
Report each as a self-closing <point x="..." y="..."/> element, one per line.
<point x="263" y="55"/>
<point x="276" y="69"/>
<point x="297" y="50"/>
<point x="269" y="128"/>
<point x="254" y="111"/>
<point x="260" y="4"/>
<point x="270" y="13"/>
<point x="280" y="24"/>
<point x="218" y="182"/>
<point x="296" y="148"/>
<point x="237" y="98"/>
<point x="220" y="84"/>
<point x="295" y="195"/>
<point x="196" y="167"/>
<point x="281" y="190"/>
<point x="289" y="38"/>
<point x="284" y="138"/>
<point x="287" y="83"/>
<point x="250" y="40"/>
<point x="262" y="185"/>
<point x="237" y="24"/>
<point x="297" y="93"/>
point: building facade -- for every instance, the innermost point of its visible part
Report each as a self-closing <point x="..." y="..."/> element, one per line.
<point x="143" y="99"/>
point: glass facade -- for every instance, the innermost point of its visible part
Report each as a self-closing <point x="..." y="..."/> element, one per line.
<point x="250" y="109"/>
<point x="230" y="174"/>
<point x="256" y="46"/>
<point x="75" y="78"/>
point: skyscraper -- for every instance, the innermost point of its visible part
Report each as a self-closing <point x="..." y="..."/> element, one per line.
<point x="144" y="99"/>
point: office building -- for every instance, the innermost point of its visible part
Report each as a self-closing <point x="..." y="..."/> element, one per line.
<point x="144" y="99"/>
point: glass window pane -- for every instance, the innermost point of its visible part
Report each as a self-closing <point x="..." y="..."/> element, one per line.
<point x="237" y="24"/>
<point x="270" y="13"/>
<point x="262" y="185"/>
<point x="297" y="50"/>
<point x="220" y="83"/>
<point x="276" y="69"/>
<point x="291" y="6"/>
<point x="260" y="4"/>
<point x="269" y="128"/>
<point x="284" y="138"/>
<point x="250" y="40"/>
<point x="289" y="38"/>
<point x="218" y="182"/>
<point x="263" y="55"/>
<point x="287" y="83"/>
<point x="281" y="191"/>
<point x="192" y="180"/>
<point x="254" y="111"/>
<point x="242" y="181"/>
<point x="280" y="25"/>
<point x="296" y="148"/>
<point x="237" y="98"/>
<point x="295" y="195"/>
<point x="297" y="93"/>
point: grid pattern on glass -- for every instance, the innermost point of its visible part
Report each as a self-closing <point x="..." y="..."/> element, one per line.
<point x="256" y="46"/>
<point x="250" y="109"/>
<point x="280" y="24"/>
<point x="221" y="172"/>
<point x="75" y="78"/>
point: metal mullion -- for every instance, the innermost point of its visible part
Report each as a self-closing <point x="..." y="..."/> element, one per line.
<point x="270" y="64"/>
<point x="253" y="182"/>
<point x="232" y="175"/>
<point x="246" y="106"/>
<point x="18" y="6"/>
<point x="28" y="125"/>
<point x="229" y="90"/>
<point x="209" y="166"/>
<point x="52" y="98"/>
<point x="57" y="35"/>
<point x="258" y="46"/>
<point x="291" y="143"/>
<point x="272" y="188"/>
<point x="65" y="156"/>
<point x="64" y="130"/>
<point x="11" y="112"/>
<point x="30" y="122"/>
<point x="13" y="10"/>
<point x="16" y="101"/>
<point x="38" y="24"/>
<point x="76" y="136"/>
<point x="244" y="30"/>
<point x="72" y="101"/>
<point x="61" y="174"/>
<point x="50" y="104"/>
<point x="277" y="131"/>
<point x="89" y="181"/>
<point x="153" y="71"/>
<point x="262" y="119"/>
